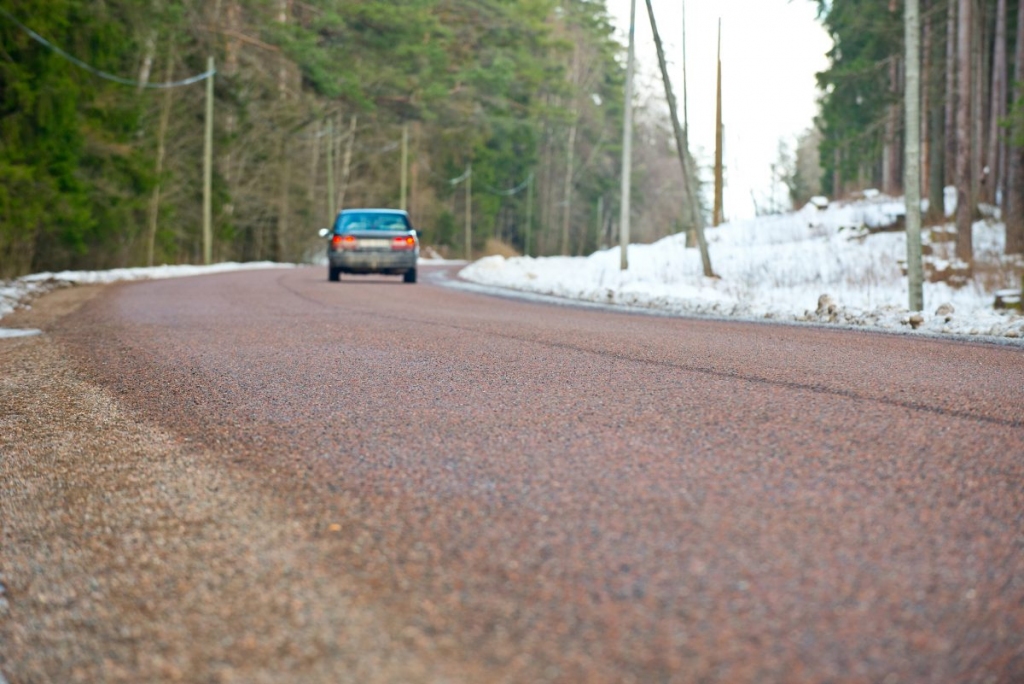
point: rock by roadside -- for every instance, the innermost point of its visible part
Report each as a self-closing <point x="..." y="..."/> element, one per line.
<point x="128" y="555"/>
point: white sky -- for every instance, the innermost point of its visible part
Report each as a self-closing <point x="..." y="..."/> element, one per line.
<point x="771" y="50"/>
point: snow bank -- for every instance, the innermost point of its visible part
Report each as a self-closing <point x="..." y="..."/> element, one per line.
<point x="779" y="267"/>
<point x="19" y="292"/>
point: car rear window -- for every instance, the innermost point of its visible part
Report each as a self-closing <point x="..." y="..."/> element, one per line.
<point x="371" y="221"/>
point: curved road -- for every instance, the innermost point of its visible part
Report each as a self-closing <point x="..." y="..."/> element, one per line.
<point x="549" y="493"/>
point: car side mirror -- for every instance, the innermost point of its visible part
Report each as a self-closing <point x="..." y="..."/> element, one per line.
<point x="323" y="232"/>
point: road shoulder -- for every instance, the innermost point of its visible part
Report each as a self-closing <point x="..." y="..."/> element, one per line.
<point x="129" y="554"/>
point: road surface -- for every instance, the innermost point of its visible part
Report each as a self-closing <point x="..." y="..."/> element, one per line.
<point x="263" y="476"/>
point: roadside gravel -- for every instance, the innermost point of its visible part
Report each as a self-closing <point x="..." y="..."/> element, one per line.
<point x="128" y="554"/>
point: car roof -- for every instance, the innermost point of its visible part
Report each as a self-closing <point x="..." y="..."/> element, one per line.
<point x="403" y="212"/>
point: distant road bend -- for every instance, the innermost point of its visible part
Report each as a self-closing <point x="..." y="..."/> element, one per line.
<point x="510" y="491"/>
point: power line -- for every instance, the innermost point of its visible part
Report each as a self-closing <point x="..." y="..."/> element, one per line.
<point x="451" y="181"/>
<point x="98" y="72"/>
<point x="468" y="172"/>
<point x="511" y="191"/>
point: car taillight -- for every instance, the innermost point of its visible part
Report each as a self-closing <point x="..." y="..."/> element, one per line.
<point x="404" y="242"/>
<point x="343" y="242"/>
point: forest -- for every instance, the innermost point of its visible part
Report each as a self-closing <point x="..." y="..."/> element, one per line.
<point x="972" y="107"/>
<point x="503" y="115"/>
<point x="506" y="113"/>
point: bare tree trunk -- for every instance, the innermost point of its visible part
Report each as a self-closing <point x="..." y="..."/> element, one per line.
<point x="283" y="11"/>
<point x="926" y="101"/>
<point x="570" y="153"/>
<point x="147" y="61"/>
<point x="567" y="193"/>
<point x="314" y="169"/>
<point x="545" y="194"/>
<point x="964" y="206"/>
<point x="977" y="98"/>
<point x="332" y="204"/>
<point x="997" y="110"/>
<point x="949" y="177"/>
<point x="890" y="149"/>
<point x="346" y="168"/>
<point x="233" y="43"/>
<point x="161" y="149"/>
<point x="837" y="186"/>
<point x="1015" y="172"/>
<point x="936" y="127"/>
<point x="228" y="154"/>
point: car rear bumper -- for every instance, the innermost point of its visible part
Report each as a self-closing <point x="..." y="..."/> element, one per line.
<point x="372" y="262"/>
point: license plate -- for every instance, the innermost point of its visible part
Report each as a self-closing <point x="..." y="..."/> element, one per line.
<point x="373" y="243"/>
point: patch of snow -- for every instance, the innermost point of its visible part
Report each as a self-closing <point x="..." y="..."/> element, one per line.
<point x="147" y="273"/>
<point x="19" y="332"/>
<point x="819" y="202"/>
<point x="779" y="268"/>
<point x="18" y="293"/>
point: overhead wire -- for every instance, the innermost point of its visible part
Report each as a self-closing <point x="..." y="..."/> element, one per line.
<point x="99" y="72"/>
<point x="495" y="191"/>
<point x="511" y="191"/>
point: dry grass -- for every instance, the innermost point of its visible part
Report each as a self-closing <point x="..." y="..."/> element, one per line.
<point x="494" y="246"/>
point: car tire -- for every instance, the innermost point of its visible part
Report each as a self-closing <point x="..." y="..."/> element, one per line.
<point x="333" y="274"/>
<point x="410" y="276"/>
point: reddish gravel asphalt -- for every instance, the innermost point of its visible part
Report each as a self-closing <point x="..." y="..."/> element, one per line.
<point x="563" y="494"/>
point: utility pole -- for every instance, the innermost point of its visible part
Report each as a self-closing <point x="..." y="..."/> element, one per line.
<point x="627" y="146"/>
<point x="716" y="219"/>
<point x="405" y="166"/>
<point x="691" y="237"/>
<point x="469" y="211"/>
<point x="208" y="169"/>
<point x="332" y="208"/>
<point x="686" y="106"/>
<point x="680" y="147"/>
<point x="912" y="151"/>
<point x="414" y="170"/>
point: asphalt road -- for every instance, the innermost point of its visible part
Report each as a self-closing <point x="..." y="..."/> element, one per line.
<point x="533" y="492"/>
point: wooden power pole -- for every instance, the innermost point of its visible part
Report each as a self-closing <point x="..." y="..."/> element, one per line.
<point x="627" y="146"/>
<point x="681" y="148"/>
<point x="405" y="167"/>
<point x="716" y="219"/>
<point x="686" y="103"/>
